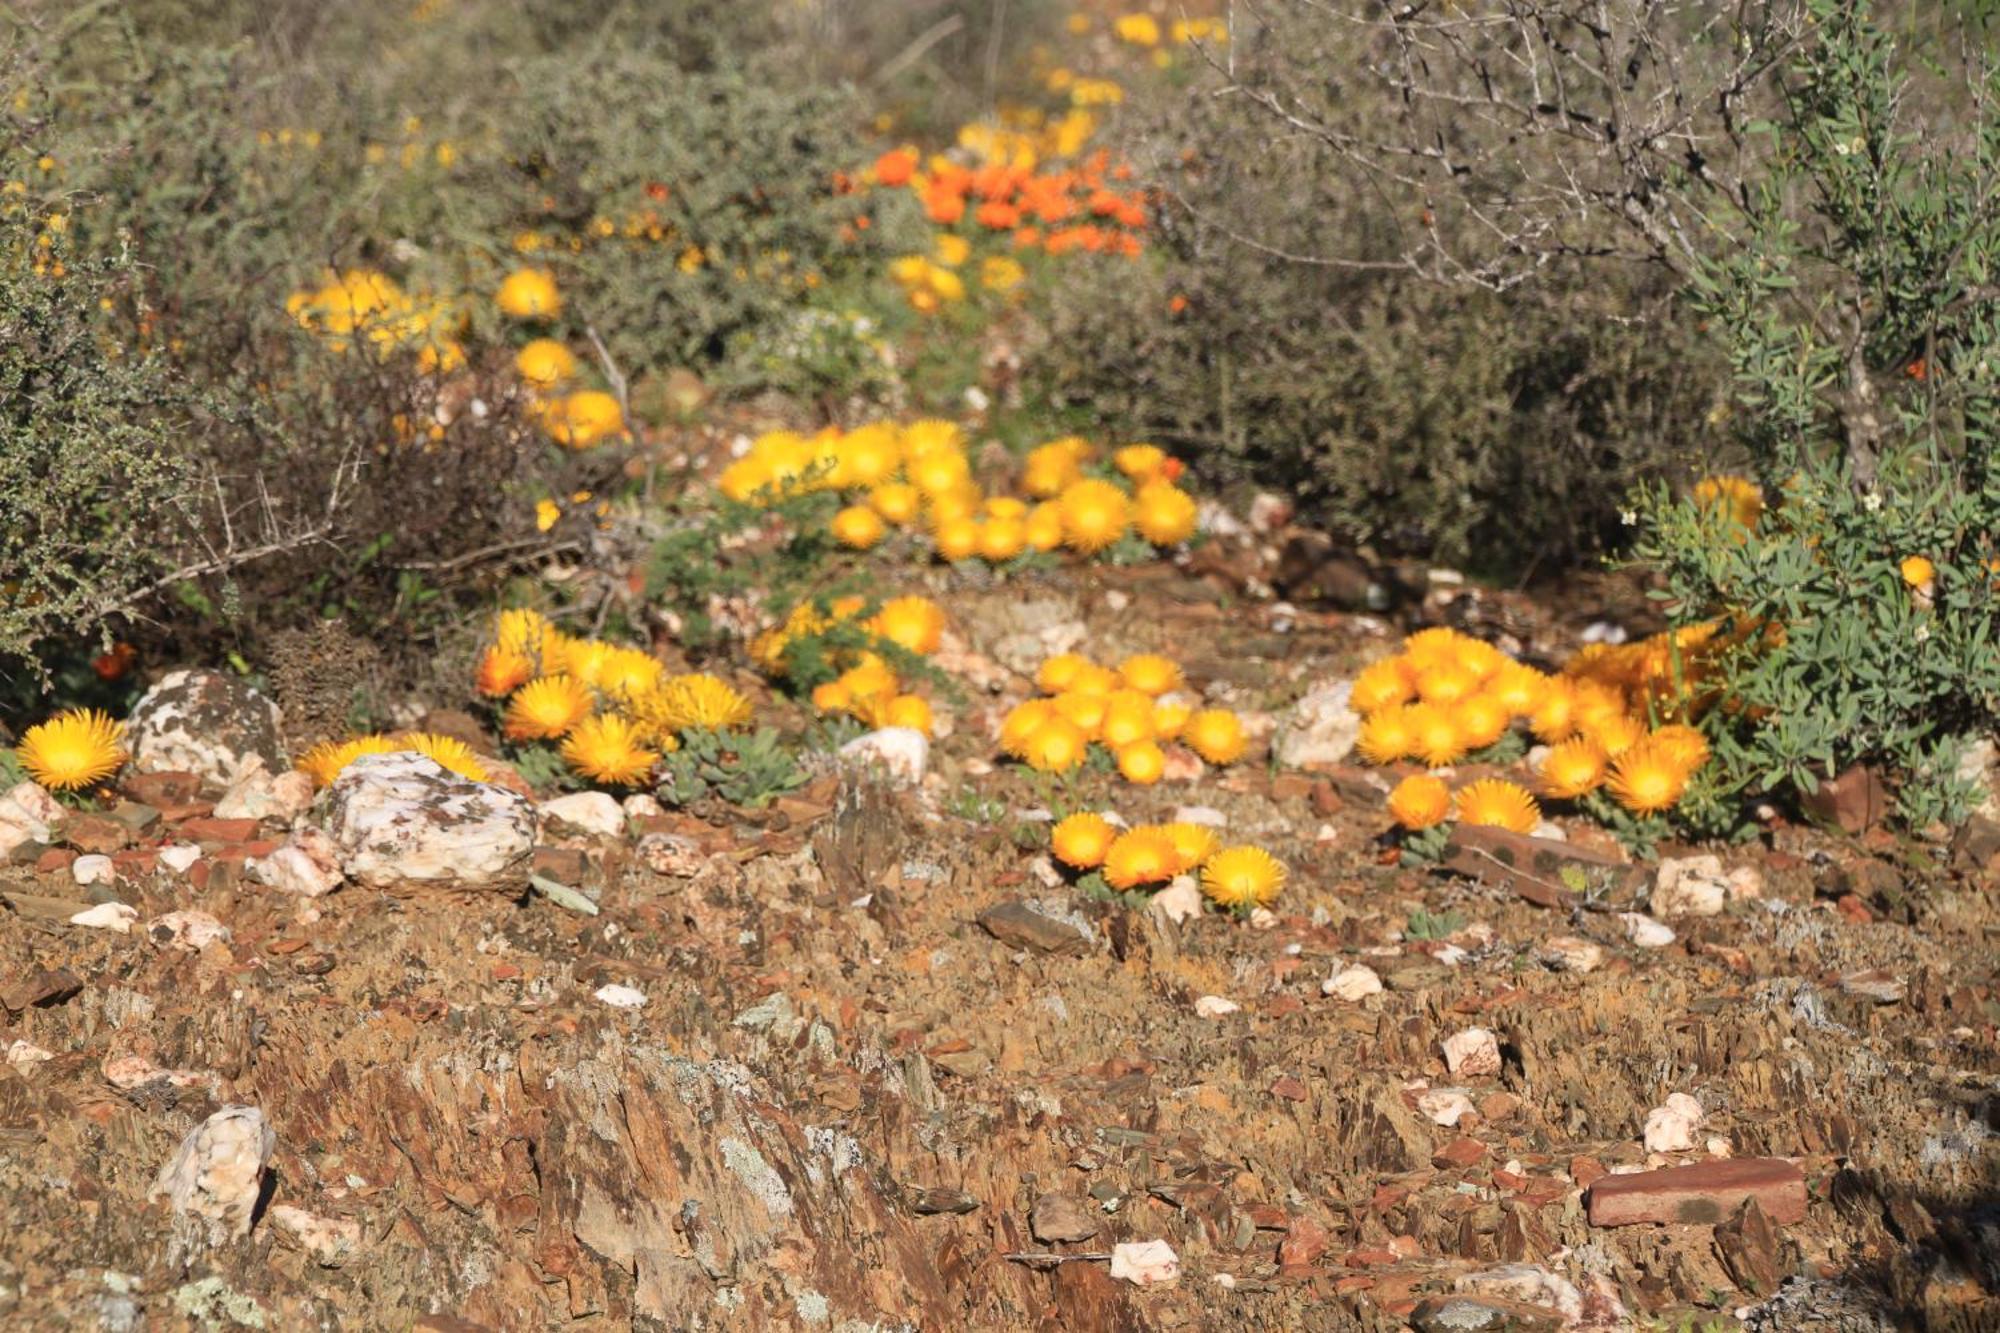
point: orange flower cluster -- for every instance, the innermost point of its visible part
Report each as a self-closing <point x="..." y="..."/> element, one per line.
<point x="1447" y="696"/>
<point x="1131" y="712"/>
<point x="1078" y="208"/>
<point x="1238" y="877"/>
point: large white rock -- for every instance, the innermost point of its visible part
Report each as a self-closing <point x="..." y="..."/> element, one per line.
<point x="1145" y="1263"/>
<point x="1690" y="886"/>
<point x="1353" y="984"/>
<point x="308" y="864"/>
<point x="1670" y="1127"/>
<point x="591" y="811"/>
<point x="206" y="723"/>
<point x="902" y="752"/>
<point x="400" y="821"/>
<point x="1472" y="1053"/>
<point x="213" y="1178"/>
<point x="26" y="812"/>
<point x="1320" y="728"/>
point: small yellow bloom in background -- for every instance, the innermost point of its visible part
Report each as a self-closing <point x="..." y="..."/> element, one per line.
<point x="547" y="513"/>
<point x="897" y="501"/>
<point x="1082" y="840"/>
<point x="1142" y="763"/>
<point x="1193" y="844"/>
<point x="1738" y="499"/>
<point x="858" y="527"/>
<point x="1164" y="514"/>
<point x="952" y="249"/>
<point x="1216" y="734"/>
<point x="447" y="752"/>
<point x="529" y="293"/>
<point x="1056" y="746"/>
<point x="1150" y="673"/>
<point x="1918" y="571"/>
<point x="1077" y="23"/>
<point x="503" y="670"/>
<point x="956" y="539"/>
<point x="73" y="749"/>
<point x="325" y="761"/>
<point x="583" y="418"/>
<point x="915" y="623"/>
<point x="909" y="710"/>
<point x="1420" y="801"/>
<point x="1137" y="29"/>
<point x="545" y="363"/>
<point x="1095" y="514"/>
<point x="1242" y="877"/>
<point x="1001" y="273"/>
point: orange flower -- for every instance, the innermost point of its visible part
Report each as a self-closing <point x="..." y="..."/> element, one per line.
<point x="1647" y="779"/>
<point x="1388" y="735"/>
<point x="1420" y="801"/>
<point x="1082" y="840"/>
<point x="1142" y="762"/>
<point x="1572" y="768"/>
<point x="502" y="671"/>
<point x="1496" y="803"/>
<point x="895" y="167"/>
<point x="1216" y="734"/>
<point x="1142" y="856"/>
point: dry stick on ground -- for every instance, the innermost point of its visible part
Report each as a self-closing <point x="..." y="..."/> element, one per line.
<point x="621" y="389"/>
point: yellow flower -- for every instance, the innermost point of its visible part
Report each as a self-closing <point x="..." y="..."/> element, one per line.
<point x="680" y="703"/>
<point x="1216" y="734"/>
<point x="1021" y="722"/>
<point x="1482" y="720"/>
<point x="1918" y="571"/>
<point x="857" y="527"/>
<point x="1140" y="462"/>
<point x="1647" y="779"/>
<point x="909" y="710"/>
<point x="915" y="623"/>
<point x="1420" y="801"/>
<point x="1086" y="710"/>
<point x="583" y="418"/>
<point x="1060" y="672"/>
<point x="1435" y="737"/>
<point x="1573" y="768"/>
<point x="547" y="513"/>
<point x="1382" y="685"/>
<point x="1127" y="719"/>
<point x="529" y="293"/>
<point x="502" y="671"/>
<point x="325" y="761"/>
<point x="1164" y="514"/>
<point x="447" y="752"/>
<point x="1137" y="29"/>
<point x="1737" y="499"/>
<point x="1497" y="803"/>
<point x="1193" y="844"/>
<point x="1518" y="688"/>
<point x="1616" y="733"/>
<point x="897" y="502"/>
<point x="1140" y="856"/>
<point x="1001" y="539"/>
<point x="1095" y="514"/>
<point x="1445" y="683"/>
<point x="1684" y="745"/>
<point x="1081" y="840"/>
<point x="1170" y="716"/>
<point x="1150" y="674"/>
<point x="1554" y="716"/>
<point x="1056" y="746"/>
<point x="546" y="708"/>
<point x="73" y="749"/>
<point x="1388" y="735"/>
<point x="956" y="539"/>
<point x="952" y="249"/>
<point x="1001" y="273"/>
<point x="545" y="363"/>
<point x="607" y="749"/>
<point x="1142" y="763"/>
<point x="1242" y="877"/>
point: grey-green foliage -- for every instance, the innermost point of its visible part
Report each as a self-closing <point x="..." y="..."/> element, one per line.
<point x="1856" y="306"/>
<point x="91" y="456"/>
<point x="743" y="768"/>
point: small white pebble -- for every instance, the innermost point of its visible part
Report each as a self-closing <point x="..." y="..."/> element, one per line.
<point x="621" y="997"/>
<point x="1215" y="1006"/>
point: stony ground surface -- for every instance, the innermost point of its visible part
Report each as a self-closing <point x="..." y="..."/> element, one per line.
<point x="846" y="1104"/>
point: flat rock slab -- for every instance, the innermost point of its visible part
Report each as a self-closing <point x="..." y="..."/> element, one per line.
<point x="1026" y="925"/>
<point x="1534" y="868"/>
<point x="1703" y="1194"/>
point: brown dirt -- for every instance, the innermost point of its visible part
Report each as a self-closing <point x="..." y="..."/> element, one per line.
<point x="843" y="1097"/>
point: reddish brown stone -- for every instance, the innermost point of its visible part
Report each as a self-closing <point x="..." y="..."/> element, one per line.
<point x="1703" y="1194"/>
<point x="1305" y="1241"/>
<point x="55" y="859"/>
<point x="136" y="862"/>
<point x="163" y="789"/>
<point x="95" y="834"/>
<point x="1291" y="787"/>
<point x="197" y="874"/>
<point x="1325" y="800"/>
<point x="1850" y="906"/>
<point x="1289" y="1088"/>
<point x="1584" y="1170"/>
<point x="1498" y="1105"/>
<point x="1268" y="1217"/>
<point x="1352" y="1282"/>
<point x="1854" y="801"/>
<point x="1387" y="1197"/>
<point x="1459" y="1153"/>
<point x="1374" y="1256"/>
<point x="218" y="830"/>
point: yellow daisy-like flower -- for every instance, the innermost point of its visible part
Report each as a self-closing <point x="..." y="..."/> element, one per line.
<point x="546" y="708"/>
<point x="857" y="527"/>
<point x="1646" y="779"/>
<point x="1193" y="843"/>
<point x="1482" y="720"/>
<point x="915" y="623"/>
<point x="1170" y="716"/>
<point x="1446" y="683"/>
<point x="1435" y="737"/>
<point x="680" y="703"/>
<point x="502" y="671"/>
<point x="630" y="672"/>
<point x="1127" y="720"/>
<point x="325" y="761"/>
<point x="1142" y="763"/>
<point x="1095" y="514"/>
<point x="1518" y="688"/>
<point x="1683" y="744"/>
<point x="1141" y="856"/>
<point x="1420" y="801"/>
<point x="529" y="293"/>
<point x="1086" y="711"/>
<point x="1382" y="685"/>
<point x="545" y="363"/>
<point x="73" y="749"/>
<point x="1388" y="735"/>
<point x="1573" y="768"/>
<point x="1554" y="716"/>
<point x="1615" y="734"/>
<point x="897" y="502"/>
<point x="1140" y="462"/>
<point x="909" y="710"/>
<point x="1165" y="515"/>
<point x="607" y="749"/>
<point x="1216" y="734"/>
<point x="1242" y="877"/>
<point x="1497" y="803"/>
<point x="1021" y="722"/>
<point x="1082" y="840"/>
<point x="1480" y="658"/>
<point x="1737" y="498"/>
<point x="1918" y="571"/>
<point x="1060" y="672"/>
<point x="1150" y="673"/>
<point x="527" y="633"/>
<point x="1056" y="746"/>
<point x="1432" y="647"/>
<point x="447" y="752"/>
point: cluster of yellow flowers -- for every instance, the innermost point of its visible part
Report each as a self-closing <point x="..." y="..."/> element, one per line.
<point x="326" y="760"/>
<point x="363" y="305"/>
<point x="613" y="709"/>
<point x="932" y="281"/>
<point x="1447" y="695"/>
<point x="1143" y="30"/>
<point x="920" y="473"/>
<point x="78" y="747"/>
<point x="868" y="688"/>
<point x="1234" y="877"/>
<point x="1130" y="711"/>
<point x="578" y="418"/>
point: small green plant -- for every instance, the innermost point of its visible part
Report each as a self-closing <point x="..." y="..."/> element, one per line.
<point x="749" y="769"/>
<point x="1424" y="925"/>
<point x="1426" y="847"/>
<point x="968" y="803"/>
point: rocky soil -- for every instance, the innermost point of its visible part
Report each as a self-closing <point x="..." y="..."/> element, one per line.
<point x="862" y="1061"/>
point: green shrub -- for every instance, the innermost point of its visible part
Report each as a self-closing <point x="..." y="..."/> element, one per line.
<point x="1856" y="309"/>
